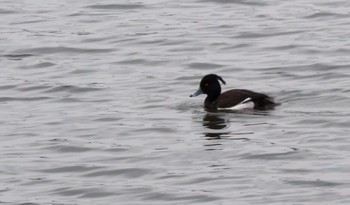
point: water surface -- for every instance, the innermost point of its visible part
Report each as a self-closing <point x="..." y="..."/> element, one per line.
<point x="95" y="107"/>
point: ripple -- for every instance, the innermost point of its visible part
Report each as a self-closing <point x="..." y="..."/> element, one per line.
<point x="126" y="172"/>
<point x="306" y="67"/>
<point x="83" y="71"/>
<point x="161" y="196"/>
<point x="97" y="39"/>
<point x="18" y="56"/>
<point x="117" y="6"/>
<point x="84" y="192"/>
<point x="98" y="194"/>
<point x="276" y="156"/>
<point x="185" y="49"/>
<point x="243" y="2"/>
<point x="324" y="14"/>
<point x="108" y="119"/>
<point x="31" y="88"/>
<point x="140" y="62"/>
<point x="158" y="129"/>
<point x="62" y="49"/>
<point x="70" y="100"/>
<point x="204" y="65"/>
<point x="72" y="89"/>
<point x="39" y="65"/>
<point x="264" y="35"/>
<point x="7" y="87"/>
<point x="283" y="47"/>
<point x="9" y="99"/>
<point x="69" y="148"/>
<point x="115" y="150"/>
<point x="28" y="203"/>
<point x="65" y="169"/>
<point x="7" y="11"/>
<point x="315" y="183"/>
<point x="301" y="171"/>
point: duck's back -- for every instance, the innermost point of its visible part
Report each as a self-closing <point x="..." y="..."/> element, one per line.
<point x="233" y="97"/>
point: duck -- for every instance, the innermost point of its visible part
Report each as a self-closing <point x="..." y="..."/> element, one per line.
<point x="235" y="99"/>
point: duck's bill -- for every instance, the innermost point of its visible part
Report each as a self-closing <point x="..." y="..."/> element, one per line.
<point x="198" y="92"/>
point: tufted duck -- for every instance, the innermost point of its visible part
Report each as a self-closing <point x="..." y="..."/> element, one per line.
<point x="235" y="99"/>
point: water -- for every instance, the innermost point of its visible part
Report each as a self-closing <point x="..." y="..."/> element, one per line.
<point x="95" y="107"/>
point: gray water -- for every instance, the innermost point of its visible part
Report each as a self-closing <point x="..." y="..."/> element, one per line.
<point x="95" y="107"/>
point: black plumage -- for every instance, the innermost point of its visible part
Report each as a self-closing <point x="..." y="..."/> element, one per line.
<point x="210" y="86"/>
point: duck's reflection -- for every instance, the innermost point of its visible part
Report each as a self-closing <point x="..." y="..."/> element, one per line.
<point x="214" y="121"/>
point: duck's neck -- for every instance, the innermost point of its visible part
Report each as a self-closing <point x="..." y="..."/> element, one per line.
<point x="213" y="94"/>
<point x="211" y="102"/>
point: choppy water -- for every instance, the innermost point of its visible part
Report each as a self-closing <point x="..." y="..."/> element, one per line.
<point x="95" y="107"/>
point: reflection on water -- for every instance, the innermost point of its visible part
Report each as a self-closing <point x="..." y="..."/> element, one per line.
<point x="220" y="121"/>
<point x="214" y="121"/>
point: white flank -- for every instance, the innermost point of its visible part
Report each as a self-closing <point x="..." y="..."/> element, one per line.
<point x="245" y="104"/>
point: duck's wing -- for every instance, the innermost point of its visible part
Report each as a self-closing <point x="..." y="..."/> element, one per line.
<point x="238" y="96"/>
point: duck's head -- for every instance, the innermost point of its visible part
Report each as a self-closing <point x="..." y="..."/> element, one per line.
<point x="209" y="85"/>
